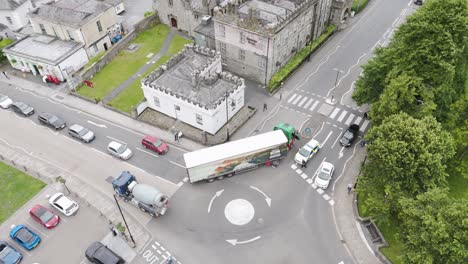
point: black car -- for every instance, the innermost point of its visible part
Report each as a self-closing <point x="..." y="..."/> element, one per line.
<point x="99" y="253"/>
<point x="51" y="120"/>
<point x="22" y="108"/>
<point x="418" y="2"/>
<point x="349" y="135"/>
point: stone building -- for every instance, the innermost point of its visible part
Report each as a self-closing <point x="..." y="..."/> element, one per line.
<point x="257" y="37"/>
<point x="13" y="15"/>
<point x="185" y="15"/>
<point x="191" y="87"/>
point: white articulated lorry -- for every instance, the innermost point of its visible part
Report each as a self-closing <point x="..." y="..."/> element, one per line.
<point x="235" y="157"/>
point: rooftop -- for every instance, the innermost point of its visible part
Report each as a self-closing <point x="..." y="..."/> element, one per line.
<point x="43" y="48"/>
<point x="73" y="13"/>
<point x="180" y="77"/>
<point x="10" y="4"/>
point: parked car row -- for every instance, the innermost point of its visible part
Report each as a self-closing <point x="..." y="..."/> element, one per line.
<point x="28" y="239"/>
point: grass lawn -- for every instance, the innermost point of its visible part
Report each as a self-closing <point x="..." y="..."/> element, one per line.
<point x="16" y="188"/>
<point x="133" y="94"/>
<point x="125" y="64"/>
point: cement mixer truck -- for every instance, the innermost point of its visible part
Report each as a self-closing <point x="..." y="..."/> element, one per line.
<point x="145" y="197"/>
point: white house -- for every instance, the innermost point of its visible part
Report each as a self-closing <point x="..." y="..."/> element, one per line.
<point x="192" y="88"/>
<point x="13" y="15"/>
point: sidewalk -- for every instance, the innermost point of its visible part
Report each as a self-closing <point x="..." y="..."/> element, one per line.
<point x="59" y="94"/>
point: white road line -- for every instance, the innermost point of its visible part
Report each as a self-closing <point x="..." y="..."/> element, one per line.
<point x="302" y="102"/>
<point x="185" y="179"/>
<point x="309" y="181"/>
<point x="358" y="120"/>
<point x="364" y="125"/>
<point x="159" y="252"/>
<point x="180" y="184"/>
<point x="177" y="164"/>
<point x="100" y="152"/>
<point x="329" y="134"/>
<point x="293" y="166"/>
<point x="336" y="140"/>
<point x="292" y="98"/>
<point x="326" y="197"/>
<point x="156" y="242"/>
<point x="298" y="171"/>
<point x="149" y="153"/>
<point x="314" y="105"/>
<point x="304" y="176"/>
<point x="153" y="246"/>
<point x="343" y="114"/>
<point x="111" y="138"/>
<point x="308" y="103"/>
<point x="331" y="202"/>
<point x="165" y="250"/>
<point x="319" y="190"/>
<point x="350" y="118"/>
<point x="297" y="99"/>
<point x="335" y="112"/>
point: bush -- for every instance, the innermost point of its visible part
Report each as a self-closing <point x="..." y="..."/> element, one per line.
<point x="297" y="60"/>
<point x="358" y="5"/>
<point x="5" y="42"/>
<point x="148" y="13"/>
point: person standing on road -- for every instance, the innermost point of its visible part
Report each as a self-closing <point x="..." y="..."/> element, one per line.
<point x="176" y="136"/>
<point x="350" y="188"/>
<point x="303" y="165"/>
<point x="265" y="107"/>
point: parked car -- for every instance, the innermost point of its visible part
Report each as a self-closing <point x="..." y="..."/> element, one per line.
<point x="324" y="175"/>
<point x="51" y="120"/>
<point x="99" y="253"/>
<point x="8" y="254"/>
<point x="44" y="216"/>
<point x="307" y="151"/>
<point x="349" y="135"/>
<point x="25" y="237"/>
<point x="22" y="108"/>
<point x="64" y="204"/>
<point x="155" y="144"/>
<point x="418" y="2"/>
<point x="119" y="150"/>
<point x="81" y="133"/>
<point x="5" y="101"/>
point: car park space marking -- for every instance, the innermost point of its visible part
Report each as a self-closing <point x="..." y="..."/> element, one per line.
<point x="314" y="105"/>
<point x="335" y="112"/>
<point x="114" y="139"/>
<point x="103" y="153"/>
<point x="364" y="125"/>
<point x="302" y="102"/>
<point x="177" y="164"/>
<point x="292" y="98"/>
<point x="343" y="114"/>
<point x="185" y="179"/>
<point x="297" y="99"/>
<point x="149" y="153"/>
<point x="308" y="103"/>
<point x="350" y="118"/>
<point x="36" y="230"/>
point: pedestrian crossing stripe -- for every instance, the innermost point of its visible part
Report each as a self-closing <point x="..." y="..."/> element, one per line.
<point x="358" y="120"/>
<point x="308" y="103"/>
<point x="292" y="98"/>
<point x="364" y="125"/>
<point x="297" y="99"/>
<point x="314" y="105"/>
<point x="343" y="114"/>
<point x="302" y="102"/>
<point x="335" y="112"/>
<point x="350" y="118"/>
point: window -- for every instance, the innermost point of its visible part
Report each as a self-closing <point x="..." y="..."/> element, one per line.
<point x="43" y="31"/>
<point x="156" y="102"/>
<point x="199" y="119"/>
<point x="9" y="20"/>
<point x="176" y="107"/>
<point x="261" y="62"/>
<point x="99" y="26"/>
<point x="242" y="55"/>
<point x="70" y="35"/>
<point x="222" y="48"/>
<point x="221" y="30"/>
<point x="171" y="2"/>
<point x="242" y="37"/>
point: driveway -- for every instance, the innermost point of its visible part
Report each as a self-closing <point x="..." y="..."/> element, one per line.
<point x="135" y="10"/>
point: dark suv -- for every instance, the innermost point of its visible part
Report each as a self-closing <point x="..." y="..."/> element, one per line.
<point x="51" y="120"/>
<point x="349" y="135"/>
<point x="99" y="253"/>
<point x="22" y="108"/>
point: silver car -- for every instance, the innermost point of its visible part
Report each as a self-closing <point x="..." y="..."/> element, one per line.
<point x="119" y="150"/>
<point x="81" y="133"/>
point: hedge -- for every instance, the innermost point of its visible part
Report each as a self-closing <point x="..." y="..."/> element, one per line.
<point x="297" y="60"/>
<point x="358" y="5"/>
<point x="3" y="43"/>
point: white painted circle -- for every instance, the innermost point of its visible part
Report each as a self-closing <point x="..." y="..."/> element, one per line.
<point x="239" y="212"/>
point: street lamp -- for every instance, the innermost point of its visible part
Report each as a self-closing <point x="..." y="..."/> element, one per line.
<point x="125" y="221"/>
<point x="227" y="114"/>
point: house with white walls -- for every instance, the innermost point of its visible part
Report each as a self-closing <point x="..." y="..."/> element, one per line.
<point x="191" y="87"/>
<point x="13" y="15"/>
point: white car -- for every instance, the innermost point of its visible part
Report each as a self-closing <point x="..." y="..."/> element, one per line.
<point x="64" y="204"/>
<point x="307" y="151"/>
<point x="119" y="150"/>
<point x="325" y="174"/>
<point x="5" y="101"/>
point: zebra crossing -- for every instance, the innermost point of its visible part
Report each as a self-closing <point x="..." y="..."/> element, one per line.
<point x="338" y="114"/>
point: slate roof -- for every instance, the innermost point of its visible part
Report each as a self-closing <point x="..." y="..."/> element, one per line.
<point x="10" y="4"/>
<point x="73" y="13"/>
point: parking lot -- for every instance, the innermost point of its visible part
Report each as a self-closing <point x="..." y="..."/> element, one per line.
<point x="65" y="243"/>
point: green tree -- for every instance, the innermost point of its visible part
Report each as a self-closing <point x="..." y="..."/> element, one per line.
<point x="406" y="156"/>
<point x="434" y="228"/>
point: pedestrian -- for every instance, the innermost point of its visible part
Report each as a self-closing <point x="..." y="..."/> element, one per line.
<point x="365" y="115"/>
<point x="281" y="95"/>
<point x="265" y="107"/>
<point x="303" y="165"/>
<point x="176" y="136"/>
<point x="169" y="260"/>
<point x="6" y="76"/>
<point x="350" y="188"/>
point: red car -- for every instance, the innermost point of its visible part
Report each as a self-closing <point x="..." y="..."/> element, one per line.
<point x="155" y="144"/>
<point x="44" y="216"/>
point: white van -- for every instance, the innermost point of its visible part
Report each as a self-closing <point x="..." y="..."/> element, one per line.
<point x="307" y="151"/>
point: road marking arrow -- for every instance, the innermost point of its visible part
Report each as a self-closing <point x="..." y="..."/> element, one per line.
<point x="235" y="242"/>
<point x="341" y="153"/>
<point x="217" y="194"/>
<point x="96" y="124"/>
<point x="267" y="199"/>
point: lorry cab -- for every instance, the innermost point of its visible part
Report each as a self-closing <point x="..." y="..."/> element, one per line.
<point x="122" y="182"/>
<point x="307" y="151"/>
